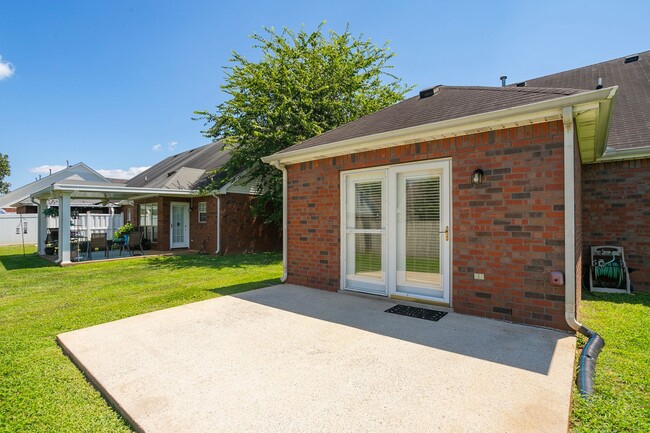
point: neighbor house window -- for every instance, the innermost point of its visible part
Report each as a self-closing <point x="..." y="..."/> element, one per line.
<point x="203" y="212"/>
<point x="149" y="221"/>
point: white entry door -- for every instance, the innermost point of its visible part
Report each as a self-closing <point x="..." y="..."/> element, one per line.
<point x="179" y="232"/>
<point x="396" y="238"/>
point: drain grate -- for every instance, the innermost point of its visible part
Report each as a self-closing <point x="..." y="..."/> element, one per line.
<point x="420" y="313"/>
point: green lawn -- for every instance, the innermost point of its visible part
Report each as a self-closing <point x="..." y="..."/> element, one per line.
<point x="40" y="389"/>
<point x="621" y="402"/>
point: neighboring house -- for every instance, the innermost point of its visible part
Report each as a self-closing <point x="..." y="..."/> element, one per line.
<point x="471" y="197"/>
<point x="217" y="223"/>
<point x="19" y="200"/>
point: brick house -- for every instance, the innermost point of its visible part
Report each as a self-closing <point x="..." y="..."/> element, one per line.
<point x="473" y="197"/>
<point x="218" y="223"/>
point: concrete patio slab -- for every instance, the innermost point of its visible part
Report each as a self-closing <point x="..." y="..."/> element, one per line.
<point x="292" y="359"/>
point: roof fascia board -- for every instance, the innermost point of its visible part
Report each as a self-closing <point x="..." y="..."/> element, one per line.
<point x="516" y="116"/>
<point x="110" y="189"/>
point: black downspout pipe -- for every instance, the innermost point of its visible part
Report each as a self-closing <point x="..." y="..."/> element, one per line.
<point x="587" y="361"/>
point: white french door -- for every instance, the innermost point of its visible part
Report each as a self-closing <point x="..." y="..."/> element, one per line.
<point x="179" y="232"/>
<point x="365" y="233"/>
<point x="397" y="228"/>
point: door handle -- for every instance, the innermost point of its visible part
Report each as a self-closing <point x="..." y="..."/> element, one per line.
<point x="446" y="232"/>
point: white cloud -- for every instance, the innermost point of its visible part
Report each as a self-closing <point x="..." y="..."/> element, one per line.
<point x="156" y="147"/>
<point x="172" y="145"/>
<point x="45" y="169"/>
<point x="6" y="69"/>
<point x="118" y="173"/>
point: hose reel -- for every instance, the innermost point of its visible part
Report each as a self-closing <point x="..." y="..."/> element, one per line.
<point x="608" y="272"/>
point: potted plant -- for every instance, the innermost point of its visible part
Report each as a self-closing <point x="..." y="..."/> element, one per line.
<point x="124" y="232"/>
<point x="51" y="212"/>
<point x="146" y="244"/>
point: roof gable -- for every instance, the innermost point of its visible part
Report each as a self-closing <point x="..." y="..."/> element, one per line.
<point x="77" y="173"/>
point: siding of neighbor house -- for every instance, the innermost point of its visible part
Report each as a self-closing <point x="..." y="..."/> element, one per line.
<point x="510" y="228"/>
<point x="616" y="210"/>
<point x="240" y="232"/>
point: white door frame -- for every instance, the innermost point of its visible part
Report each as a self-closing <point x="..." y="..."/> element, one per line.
<point x="389" y="253"/>
<point x="186" y="231"/>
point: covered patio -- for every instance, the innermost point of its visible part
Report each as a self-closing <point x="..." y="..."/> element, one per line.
<point x="71" y="245"/>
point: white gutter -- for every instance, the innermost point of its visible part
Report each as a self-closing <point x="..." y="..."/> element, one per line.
<point x="543" y="111"/>
<point x="612" y="154"/>
<point x="284" y="218"/>
<point x="569" y="221"/>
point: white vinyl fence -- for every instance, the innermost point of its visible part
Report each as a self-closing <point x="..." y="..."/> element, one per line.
<point x="14" y="228"/>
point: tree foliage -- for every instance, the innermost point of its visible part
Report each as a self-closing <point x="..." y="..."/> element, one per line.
<point x="5" y="170"/>
<point x="303" y="85"/>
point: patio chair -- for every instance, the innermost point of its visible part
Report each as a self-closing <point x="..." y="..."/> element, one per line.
<point x="135" y="242"/>
<point x="97" y="243"/>
<point x="52" y="241"/>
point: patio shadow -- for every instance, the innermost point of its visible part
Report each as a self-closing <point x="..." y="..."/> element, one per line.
<point x="518" y="346"/>
<point x="28" y="261"/>
<point x="245" y="287"/>
<point x="194" y="260"/>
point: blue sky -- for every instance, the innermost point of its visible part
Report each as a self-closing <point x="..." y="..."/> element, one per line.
<point x="114" y="83"/>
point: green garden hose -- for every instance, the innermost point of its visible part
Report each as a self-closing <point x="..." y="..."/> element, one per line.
<point x="610" y="270"/>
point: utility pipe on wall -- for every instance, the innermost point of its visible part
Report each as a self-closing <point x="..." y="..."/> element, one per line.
<point x="218" y="224"/>
<point x="284" y="218"/>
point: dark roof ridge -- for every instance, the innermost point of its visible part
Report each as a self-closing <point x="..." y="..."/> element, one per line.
<point x="527" y="89"/>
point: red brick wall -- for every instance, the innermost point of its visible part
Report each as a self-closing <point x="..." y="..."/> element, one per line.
<point x="243" y="233"/>
<point x="203" y="235"/>
<point x="511" y="228"/>
<point x="240" y="231"/>
<point x="616" y="211"/>
<point x="26" y="209"/>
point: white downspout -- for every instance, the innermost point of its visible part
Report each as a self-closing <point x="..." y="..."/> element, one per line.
<point x="284" y="218"/>
<point x="569" y="221"/>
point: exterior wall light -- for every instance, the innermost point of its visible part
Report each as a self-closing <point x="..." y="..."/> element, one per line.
<point x="477" y="177"/>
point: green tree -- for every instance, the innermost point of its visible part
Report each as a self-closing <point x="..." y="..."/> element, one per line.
<point x="303" y="85"/>
<point x="5" y="171"/>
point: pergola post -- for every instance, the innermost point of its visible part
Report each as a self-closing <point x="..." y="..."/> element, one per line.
<point x="42" y="226"/>
<point x="64" y="228"/>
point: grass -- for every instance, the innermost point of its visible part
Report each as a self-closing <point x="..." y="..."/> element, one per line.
<point x="369" y="262"/>
<point x="40" y="389"/>
<point x="621" y="402"/>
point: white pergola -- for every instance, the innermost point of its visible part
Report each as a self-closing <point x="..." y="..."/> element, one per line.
<point x="65" y="193"/>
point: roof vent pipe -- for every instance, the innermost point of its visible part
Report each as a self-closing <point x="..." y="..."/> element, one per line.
<point x="600" y="83"/>
<point x="503" y="79"/>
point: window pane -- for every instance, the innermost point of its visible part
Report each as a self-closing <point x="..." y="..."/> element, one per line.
<point x="422" y="231"/>
<point x="367" y="204"/>
<point x="367" y="257"/>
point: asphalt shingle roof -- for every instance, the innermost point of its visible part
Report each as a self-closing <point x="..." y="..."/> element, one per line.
<point x="630" y="127"/>
<point x="208" y="157"/>
<point x="448" y="102"/>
